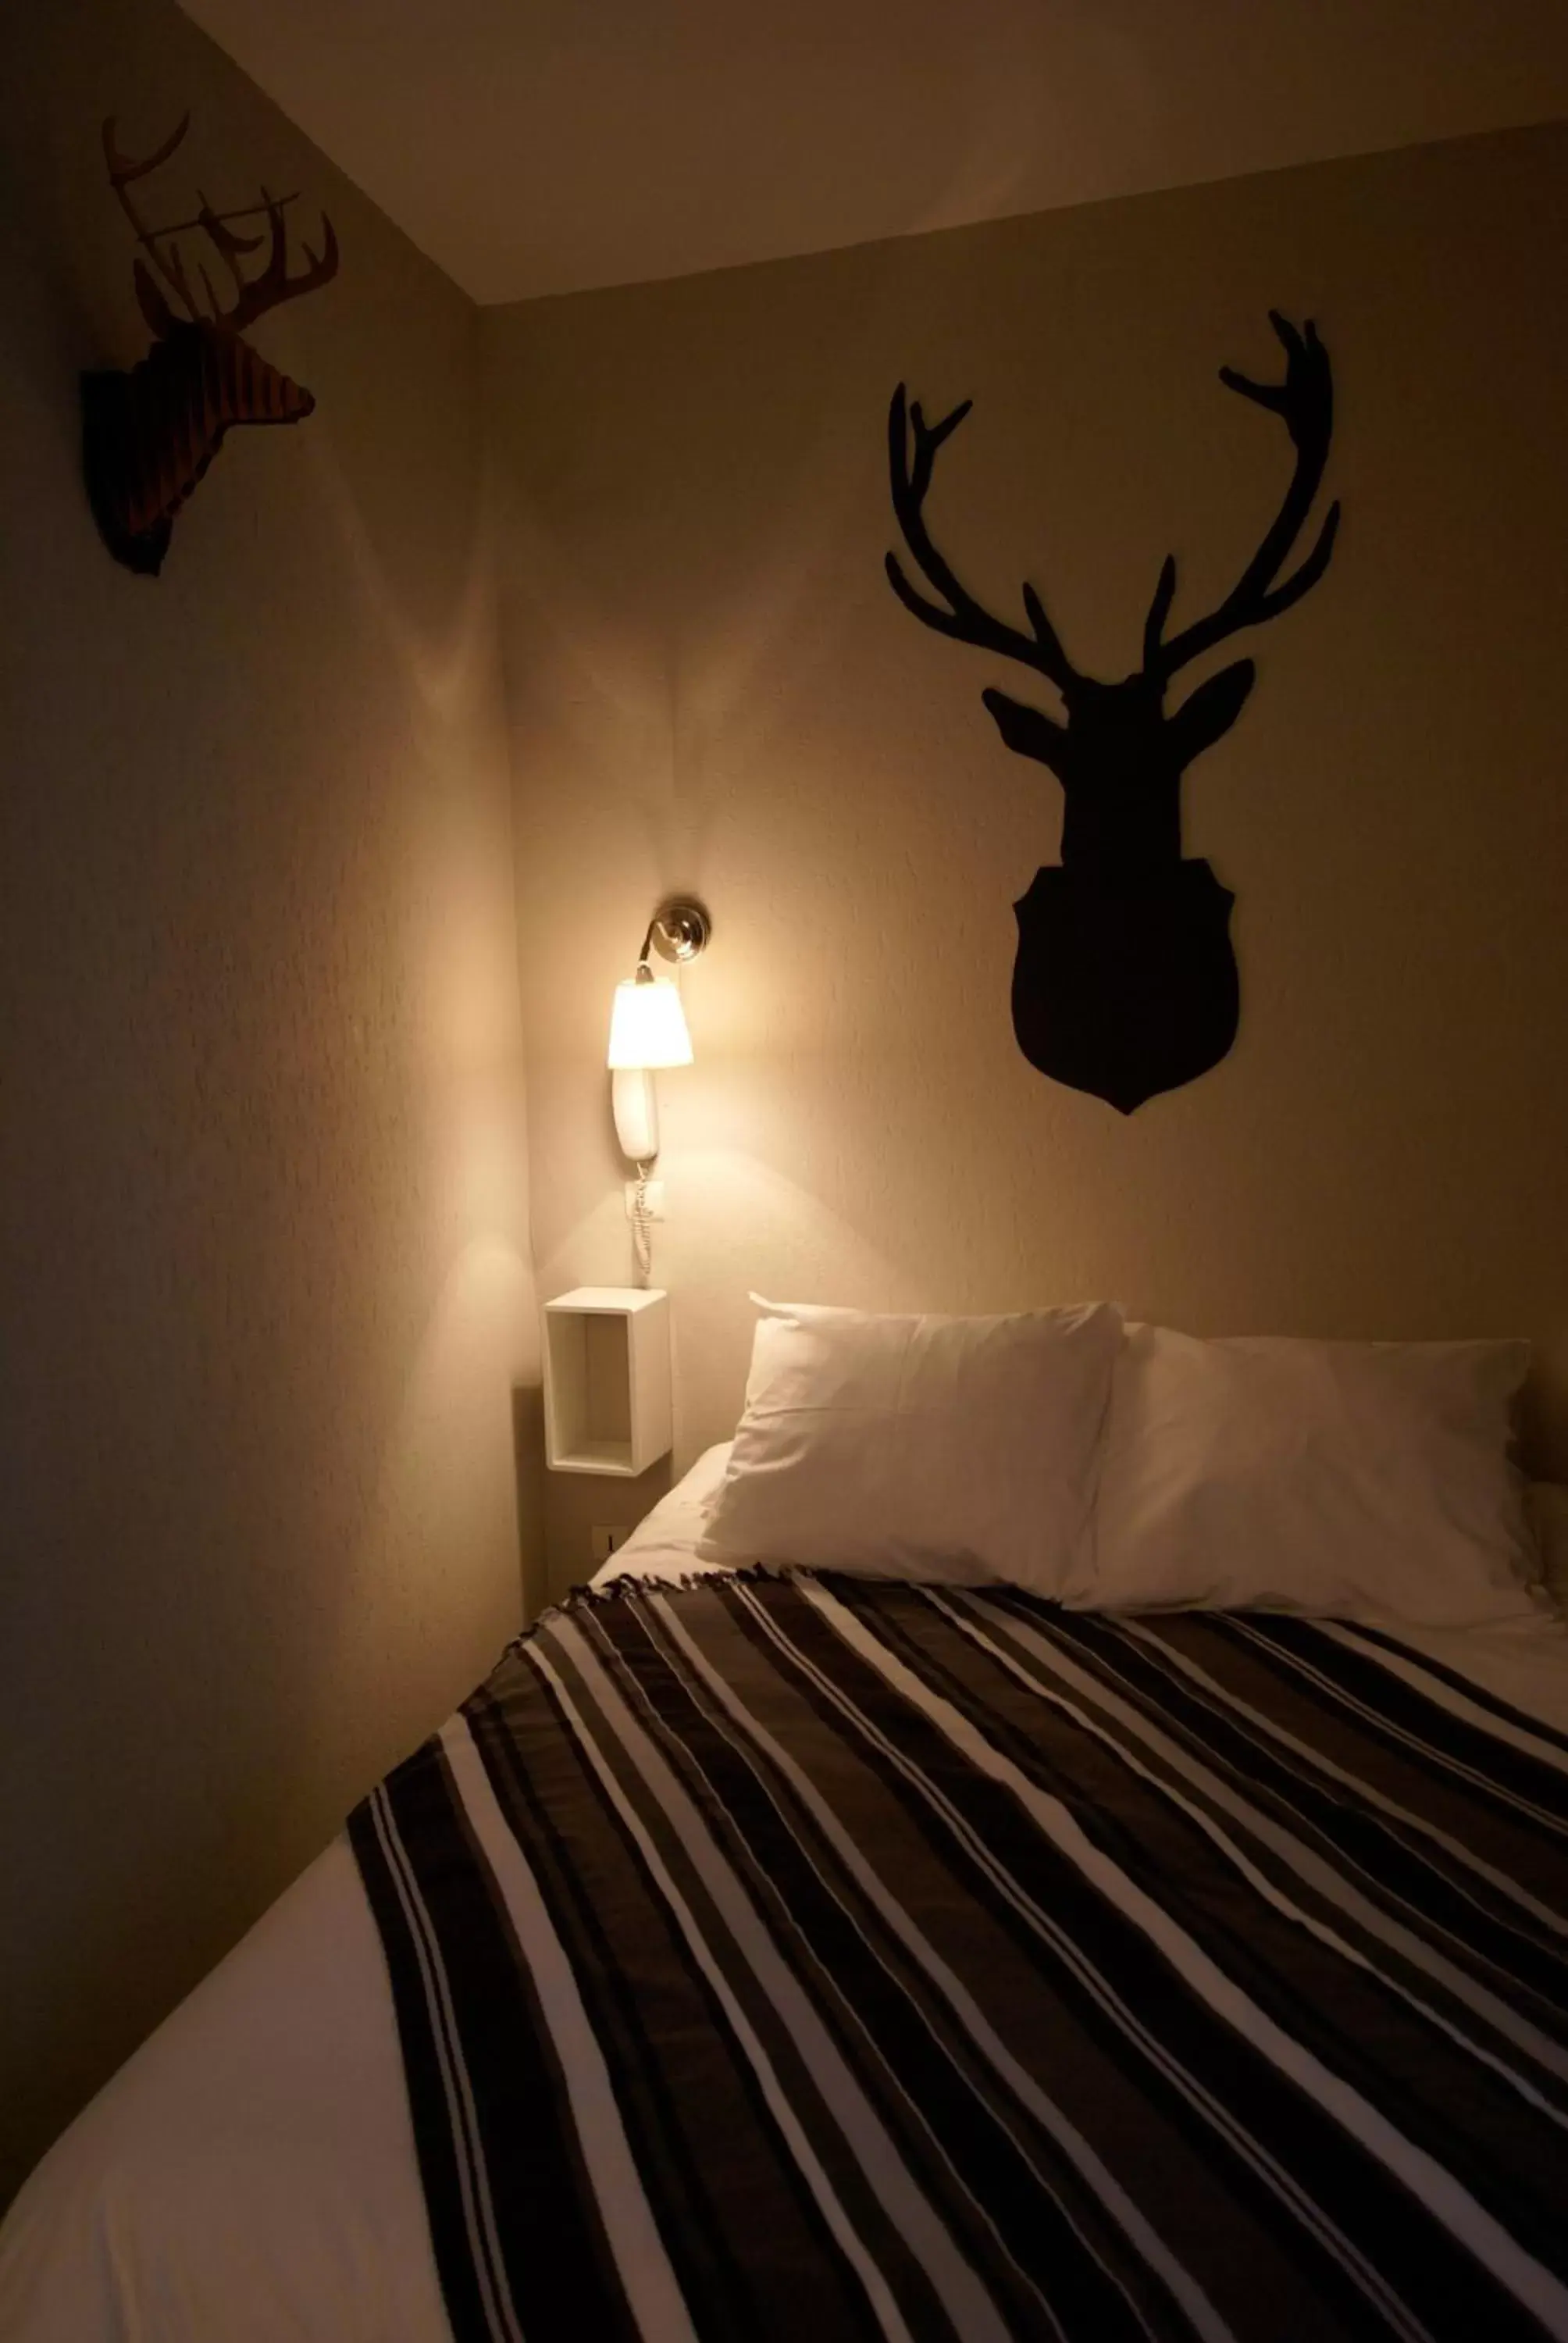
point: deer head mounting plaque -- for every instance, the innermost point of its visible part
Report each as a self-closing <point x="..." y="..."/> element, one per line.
<point x="1125" y="982"/>
<point x="149" y="434"/>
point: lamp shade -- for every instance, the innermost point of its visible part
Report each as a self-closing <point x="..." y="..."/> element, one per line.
<point x="647" y="1026"/>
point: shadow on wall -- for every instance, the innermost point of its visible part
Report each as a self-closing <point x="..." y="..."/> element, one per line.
<point x="528" y="1467"/>
<point x="423" y="1507"/>
<point x="1544" y="1412"/>
<point x="577" y="1504"/>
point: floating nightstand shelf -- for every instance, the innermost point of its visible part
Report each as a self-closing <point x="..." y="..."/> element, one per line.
<point x="607" y="1380"/>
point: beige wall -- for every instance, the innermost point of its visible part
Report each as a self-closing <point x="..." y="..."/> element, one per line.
<point x="711" y="684"/>
<point x="263" y="1265"/>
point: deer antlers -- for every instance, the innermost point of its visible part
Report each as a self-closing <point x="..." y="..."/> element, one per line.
<point x="253" y="295"/>
<point x="966" y="618"/>
<point x="1305" y="400"/>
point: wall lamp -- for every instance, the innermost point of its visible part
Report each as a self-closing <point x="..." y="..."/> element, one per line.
<point x="648" y="1025"/>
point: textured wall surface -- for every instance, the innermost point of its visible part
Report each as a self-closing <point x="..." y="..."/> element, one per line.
<point x="263" y="1260"/>
<point x="712" y="684"/>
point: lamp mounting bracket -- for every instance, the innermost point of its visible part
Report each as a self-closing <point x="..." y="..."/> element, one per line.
<point x="678" y="929"/>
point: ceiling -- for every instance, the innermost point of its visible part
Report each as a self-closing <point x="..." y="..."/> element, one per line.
<point x="535" y="147"/>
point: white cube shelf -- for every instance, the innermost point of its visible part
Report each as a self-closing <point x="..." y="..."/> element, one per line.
<point x="607" y="1380"/>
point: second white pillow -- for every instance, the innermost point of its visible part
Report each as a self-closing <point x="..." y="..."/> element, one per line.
<point x="1340" y="1479"/>
<point x="942" y="1449"/>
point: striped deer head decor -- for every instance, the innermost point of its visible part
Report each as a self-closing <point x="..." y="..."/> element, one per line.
<point x="149" y="433"/>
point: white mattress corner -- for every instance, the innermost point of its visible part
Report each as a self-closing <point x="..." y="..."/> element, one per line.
<point x="664" y="1543"/>
<point x="249" y="2173"/>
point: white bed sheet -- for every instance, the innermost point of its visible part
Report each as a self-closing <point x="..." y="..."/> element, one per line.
<point x="664" y="1543"/>
<point x="250" y="2173"/>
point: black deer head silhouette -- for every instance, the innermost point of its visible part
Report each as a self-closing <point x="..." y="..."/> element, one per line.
<point x="1125" y="982"/>
<point x="149" y="434"/>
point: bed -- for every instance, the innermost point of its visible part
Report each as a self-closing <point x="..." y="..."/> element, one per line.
<point x="786" y="1953"/>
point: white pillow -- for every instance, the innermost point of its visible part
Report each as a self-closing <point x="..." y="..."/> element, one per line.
<point x="1344" y="1480"/>
<point x="956" y="1449"/>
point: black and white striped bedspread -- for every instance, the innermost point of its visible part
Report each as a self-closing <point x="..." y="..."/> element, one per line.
<point x="812" y="1958"/>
